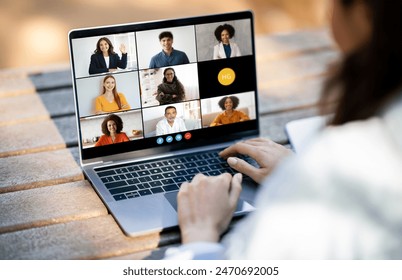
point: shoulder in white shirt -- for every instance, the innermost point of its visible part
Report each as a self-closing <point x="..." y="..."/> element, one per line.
<point x="339" y="199"/>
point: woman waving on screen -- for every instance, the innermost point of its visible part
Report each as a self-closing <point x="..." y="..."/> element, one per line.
<point x="105" y="59"/>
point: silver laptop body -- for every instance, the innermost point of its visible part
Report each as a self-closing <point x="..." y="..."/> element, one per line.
<point x="118" y="170"/>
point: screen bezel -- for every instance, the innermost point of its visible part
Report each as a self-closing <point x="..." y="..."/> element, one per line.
<point x="200" y="137"/>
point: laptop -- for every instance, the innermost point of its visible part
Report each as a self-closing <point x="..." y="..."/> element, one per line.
<point x="143" y="133"/>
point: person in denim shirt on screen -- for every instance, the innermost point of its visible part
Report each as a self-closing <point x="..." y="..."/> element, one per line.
<point x="168" y="56"/>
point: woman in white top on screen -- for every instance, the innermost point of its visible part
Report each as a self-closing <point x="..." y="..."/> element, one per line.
<point x="225" y="49"/>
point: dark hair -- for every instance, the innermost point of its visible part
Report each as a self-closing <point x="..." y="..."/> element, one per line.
<point x="117" y="120"/>
<point x="110" y="50"/>
<point x="218" y="31"/>
<point x="115" y="94"/>
<point x="167" y="69"/>
<point x="170" y="107"/>
<point x="165" y="34"/>
<point x="234" y="99"/>
<point x="366" y="80"/>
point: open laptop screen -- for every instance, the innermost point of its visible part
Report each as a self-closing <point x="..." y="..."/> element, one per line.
<point x="168" y="83"/>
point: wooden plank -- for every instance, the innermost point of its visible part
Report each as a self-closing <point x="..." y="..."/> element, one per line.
<point x="32" y="137"/>
<point x="37" y="170"/>
<point x="68" y="130"/>
<point x="290" y="96"/>
<point x="51" y="80"/>
<point x="14" y="83"/>
<point x="22" y="108"/>
<point x="294" y="69"/>
<point x="156" y="254"/>
<point x="94" y="238"/>
<point x="49" y="205"/>
<point x="75" y="153"/>
<point x="273" y="126"/>
<point x="59" y="102"/>
<point x="285" y="44"/>
<point x="169" y="240"/>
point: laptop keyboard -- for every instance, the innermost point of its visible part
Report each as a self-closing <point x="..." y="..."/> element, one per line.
<point x="132" y="180"/>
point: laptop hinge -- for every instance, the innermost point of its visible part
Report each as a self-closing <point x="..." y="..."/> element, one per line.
<point x="100" y="162"/>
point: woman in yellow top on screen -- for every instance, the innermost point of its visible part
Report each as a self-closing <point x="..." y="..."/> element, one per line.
<point x="229" y="115"/>
<point x="110" y="100"/>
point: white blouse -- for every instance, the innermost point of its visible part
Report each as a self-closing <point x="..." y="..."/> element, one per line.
<point x="341" y="198"/>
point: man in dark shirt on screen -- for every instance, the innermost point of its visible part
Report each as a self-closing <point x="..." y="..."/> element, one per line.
<point x="168" y="56"/>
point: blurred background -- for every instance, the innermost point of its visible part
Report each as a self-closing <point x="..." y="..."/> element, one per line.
<point x="34" y="32"/>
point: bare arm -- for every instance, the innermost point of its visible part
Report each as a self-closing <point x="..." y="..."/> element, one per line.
<point x="206" y="206"/>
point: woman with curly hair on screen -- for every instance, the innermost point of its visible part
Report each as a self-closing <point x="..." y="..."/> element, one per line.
<point x="225" y="49"/>
<point x="112" y="126"/>
<point x="229" y="114"/>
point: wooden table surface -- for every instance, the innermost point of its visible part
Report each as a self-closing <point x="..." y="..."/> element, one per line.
<point x="47" y="208"/>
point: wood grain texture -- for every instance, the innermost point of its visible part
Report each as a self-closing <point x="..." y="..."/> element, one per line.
<point x="49" y="205"/>
<point x="59" y="102"/>
<point x="37" y="170"/>
<point x="156" y="254"/>
<point x="93" y="238"/>
<point x="52" y="80"/>
<point x="294" y="69"/>
<point x="287" y="44"/>
<point x="67" y="127"/>
<point x="290" y="96"/>
<point x="15" y="82"/>
<point x="273" y="126"/>
<point x="32" y="137"/>
<point x="22" y="109"/>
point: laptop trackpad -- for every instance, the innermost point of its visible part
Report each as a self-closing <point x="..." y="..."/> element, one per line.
<point x="172" y="198"/>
